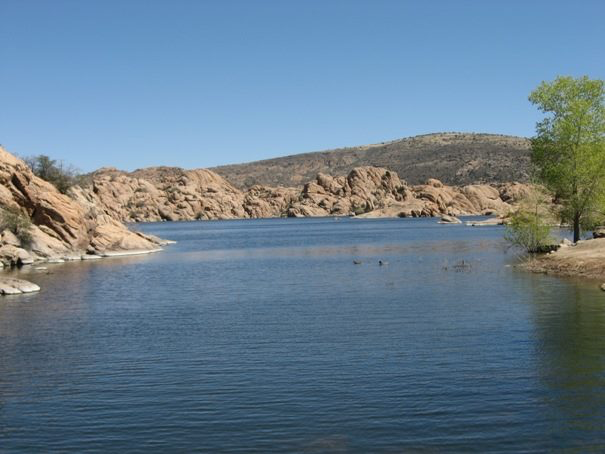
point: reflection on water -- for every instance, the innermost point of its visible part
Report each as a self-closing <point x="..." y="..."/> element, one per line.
<point x="265" y="336"/>
<point x="570" y="349"/>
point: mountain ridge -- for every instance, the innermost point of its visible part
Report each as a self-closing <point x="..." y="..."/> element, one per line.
<point x="456" y="158"/>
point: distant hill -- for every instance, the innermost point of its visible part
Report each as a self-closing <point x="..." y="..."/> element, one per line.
<point x="453" y="158"/>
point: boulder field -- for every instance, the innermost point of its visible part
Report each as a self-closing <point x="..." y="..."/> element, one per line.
<point x="174" y="194"/>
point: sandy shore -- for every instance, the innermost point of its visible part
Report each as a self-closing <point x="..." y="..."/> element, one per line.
<point x="586" y="259"/>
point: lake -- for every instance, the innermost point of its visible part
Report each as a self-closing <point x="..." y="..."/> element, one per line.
<point x="264" y="336"/>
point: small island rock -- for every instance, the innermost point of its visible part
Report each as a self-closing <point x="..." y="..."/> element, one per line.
<point x="446" y="219"/>
<point x="13" y="286"/>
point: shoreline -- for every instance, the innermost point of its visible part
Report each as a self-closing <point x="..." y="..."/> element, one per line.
<point x="584" y="260"/>
<point x="10" y="285"/>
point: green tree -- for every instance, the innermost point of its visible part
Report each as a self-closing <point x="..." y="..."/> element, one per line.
<point x="529" y="227"/>
<point x="568" y="150"/>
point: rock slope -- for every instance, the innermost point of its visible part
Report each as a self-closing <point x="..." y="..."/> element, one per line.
<point x="60" y="226"/>
<point x="174" y="194"/>
<point x="161" y="193"/>
<point x="454" y="158"/>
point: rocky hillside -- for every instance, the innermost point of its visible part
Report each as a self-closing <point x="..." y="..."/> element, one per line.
<point x="40" y="223"/>
<point x="161" y="193"/>
<point x="174" y="194"/>
<point x="453" y="158"/>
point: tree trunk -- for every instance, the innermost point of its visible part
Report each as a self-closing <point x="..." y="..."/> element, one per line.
<point x="576" y="228"/>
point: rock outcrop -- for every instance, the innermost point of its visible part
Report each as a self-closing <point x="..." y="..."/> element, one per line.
<point x="161" y="193"/>
<point x="13" y="286"/>
<point x="445" y="219"/>
<point x="378" y="192"/>
<point x="174" y="194"/>
<point x="598" y="232"/>
<point x="60" y="225"/>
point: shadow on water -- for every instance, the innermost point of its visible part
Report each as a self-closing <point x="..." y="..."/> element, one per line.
<point x="569" y="321"/>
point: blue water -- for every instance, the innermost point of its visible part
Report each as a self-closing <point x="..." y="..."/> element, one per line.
<point x="264" y="336"/>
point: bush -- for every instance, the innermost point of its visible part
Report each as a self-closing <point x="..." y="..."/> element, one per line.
<point x="55" y="172"/>
<point x="18" y="223"/>
<point x="529" y="232"/>
<point x="530" y="226"/>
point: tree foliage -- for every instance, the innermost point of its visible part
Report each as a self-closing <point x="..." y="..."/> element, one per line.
<point x="568" y="150"/>
<point x="529" y="227"/>
<point x="56" y="172"/>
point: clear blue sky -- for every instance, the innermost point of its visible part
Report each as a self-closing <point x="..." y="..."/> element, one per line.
<point x="194" y="83"/>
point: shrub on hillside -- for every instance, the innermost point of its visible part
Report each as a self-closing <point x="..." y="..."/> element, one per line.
<point x="18" y="223"/>
<point x="55" y="172"/>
